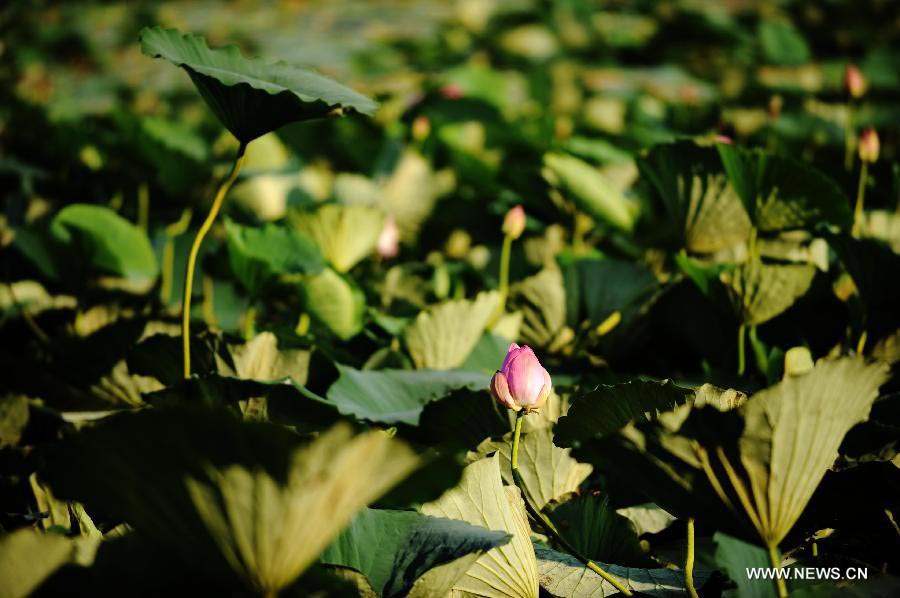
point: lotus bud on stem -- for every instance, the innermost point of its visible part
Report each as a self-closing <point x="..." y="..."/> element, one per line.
<point x="869" y="148"/>
<point x="218" y="200"/>
<point x="513" y="227"/>
<point x="523" y="385"/>
<point x="855" y="85"/>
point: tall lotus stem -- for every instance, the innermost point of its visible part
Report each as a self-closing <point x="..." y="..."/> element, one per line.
<point x="195" y="250"/>
<point x="775" y="560"/>
<point x="855" y="86"/>
<point x="869" y="147"/>
<point x="742" y="330"/>
<point x="689" y="560"/>
<point x="548" y="525"/>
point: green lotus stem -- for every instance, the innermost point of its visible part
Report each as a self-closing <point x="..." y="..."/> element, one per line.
<point x="195" y="249"/>
<point x="250" y="323"/>
<point x="504" y="279"/>
<point x="860" y="197"/>
<point x="209" y="301"/>
<point x="548" y="525"/>
<point x="741" y="342"/>
<point x="689" y="560"/>
<point x="143" y="198"/>
<point x="29" y="321"/>
<point x="848" y="137"/>
<point x="780" y="584"/>
<point x="179" y="227"/>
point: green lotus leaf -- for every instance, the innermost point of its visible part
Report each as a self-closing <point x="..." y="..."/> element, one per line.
<point x="590" y="191"/>
<point x="334" y="301"/>
<point x="508" y="571"/>
<point x="542" y="300"/>
<point x="600" y="533"/>
<point x="548" y="472"/>
<point x="697" y="196"/>
<point x="393" y="549"/>
<point x="259" y="256"/>
<point x="249" y="96"/>
<point x="564" y="576"/>
<point x="735" y="557"/>
<point x="442" y="336"/>
<point x="245" y="502"/>
<point x="28" y="557"/>
<point x="782" y="193"/>
<point x="344" y="234"/>
<point x="759" y="291"/>
<point x="391" y="396"/>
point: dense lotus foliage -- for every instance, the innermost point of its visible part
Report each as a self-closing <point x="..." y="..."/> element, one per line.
<point x="499" y="298"/>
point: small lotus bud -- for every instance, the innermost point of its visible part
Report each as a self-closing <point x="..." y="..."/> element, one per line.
<point x="521" y="382"/>
<point x="869" y="146"/>
<point x="724" y="139"/>
<point x="775" y="104"/>
<point x="854" y="82"/>
<point x="514" y="222"/>
<point x="451" y="91"/>
<point x="421" y="127"/>
<point x="388" y="244"/>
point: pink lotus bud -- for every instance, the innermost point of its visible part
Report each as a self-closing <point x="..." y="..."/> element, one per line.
<point x="724" y="139"/>
<point x="514" y="222"/>
<point x="854" y="82"/>
<point x="869" y="146"/>
<point x="388" y="244"/>
<point x="521" y="382"/>
<point x="421" y="127"/>
<point x="451" y="91"/>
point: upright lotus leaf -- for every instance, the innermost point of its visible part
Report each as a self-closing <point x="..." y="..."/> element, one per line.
<point x="697" y="195"/>
<point x="597" y="531"/>
<point x="28" y="557"/>
<point x="442" y="336"/>
<point x="246" y="503"/>
<point x="782" y="193"/>
<point x="392" y="396"/>
<point x="259" y="256"/>
<point x="269" y="532"/>
<point x="261" y="360"/>
<point x="393" y="549"/>
<point x="90" y="240"/>
<point x="542" y="300"/>
<point x="250" y="97"/>
<point x="564" y="576"/>
<point x="814" y="411"/>
<point x="334" y="301"/>
<point x="549" y="472"/>
<point x="760" y="291"/>
<point x="608" y="408"/>
<point x="345" y="234"/>
<point x="508" y="571"/>
<point x="647" y="518"/>
<point x="590" y="190"/>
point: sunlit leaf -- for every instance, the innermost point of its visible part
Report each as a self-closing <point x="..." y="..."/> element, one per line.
<point x="760" y="291"/>
<point x="335" y="302"/>
<point x="345" y="234"/>
<point x="28" y="557"/>
<point x="590" y="190"/>
<point x="442" y="336"/>
<point x="548" y="471"/>
<point x="481" y="499"/>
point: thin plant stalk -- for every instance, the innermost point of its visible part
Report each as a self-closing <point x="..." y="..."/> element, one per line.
<point x="860" y="198"/>
<point x="689" y="560"/>
<point x="195" y="250"/>
<point x="775" y="560"/>
<point x="179" y="227"/>
<point x="143" y="200"/>
<point x="548" y="525"/>
<point x="250" y="323"/>
<point x="504" y="279"/>
<point x="742" y="330"/>
<point x="849" y="137"/>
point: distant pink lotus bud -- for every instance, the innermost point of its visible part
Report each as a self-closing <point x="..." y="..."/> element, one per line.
<point x="452" y="91"/>
<point x="724" y="139"/>
<point x="869" y="146"/>
<point x="521" y="382"/>
<point x="388" y="244"/>
<point x="854" y="82"/>
<point x="775" y="104"/>
<point x="514" y="222"/>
